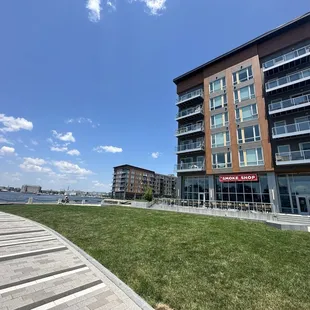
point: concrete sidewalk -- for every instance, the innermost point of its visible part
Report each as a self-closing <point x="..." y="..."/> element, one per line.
<point x="41" y="270"/>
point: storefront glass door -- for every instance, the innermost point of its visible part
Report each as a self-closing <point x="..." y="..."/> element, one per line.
<point x="303" y="203"/>
<point x="201" y="199"/>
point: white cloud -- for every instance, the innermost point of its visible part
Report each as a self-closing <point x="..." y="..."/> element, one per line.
<point x="155" y="7"/>
<point x="63" y="136"/>
<point x="29" y="148"/>
<point x="4" y="140"/>
<point x="16" y="176"/>
<point x="58" y="149"/>
<point x="12" y="124"/>
<point x="108" y="149"/>
<point x="67" y="167"/>
<point x="94" y="7"/>
<point x="102" y="186"/>
<point x="111" y="4"/>
<point x="34" y="142"/>
<point x="74" y="152"/>
<point x="34" y="165"/>
<point x="6" y="150"/>
<point x="82" y="120"/>
<point x="34" y="161"/>
<point x="155" y="155"/>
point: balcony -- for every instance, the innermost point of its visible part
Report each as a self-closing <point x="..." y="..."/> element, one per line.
<point x="295" y="129"/>
<point x="289" y="104"/>
<point x="286" y="58"/>
<point x="191" y="147"/>
<point x="189" y="112"/>
<point x="288" y="80"/>
<point x="293" y="158"/>
<point x="189" y="129"/>
<point x="188" y="167"/>
<point x="196" y="95"/>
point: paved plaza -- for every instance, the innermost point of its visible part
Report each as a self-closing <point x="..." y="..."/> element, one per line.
<point x="39" y="270"/>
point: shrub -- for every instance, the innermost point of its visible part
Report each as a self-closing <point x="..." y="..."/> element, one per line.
<point x="148" y="194"/>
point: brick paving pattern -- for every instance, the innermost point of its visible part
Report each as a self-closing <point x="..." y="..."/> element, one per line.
<point x="40" y="271"/>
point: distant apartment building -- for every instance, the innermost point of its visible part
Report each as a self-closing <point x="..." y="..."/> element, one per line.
<point x="165" y="185"/>
<point x="32" y="189"/>
<point x="130" y="182"/>
<point x="244" y="123"/>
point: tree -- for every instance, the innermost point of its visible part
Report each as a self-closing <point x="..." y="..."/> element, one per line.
<point x="148" y="194"/>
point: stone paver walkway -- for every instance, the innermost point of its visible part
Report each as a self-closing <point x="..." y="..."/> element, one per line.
<point x="39" y="270"/>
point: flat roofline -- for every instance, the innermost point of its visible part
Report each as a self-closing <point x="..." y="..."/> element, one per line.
<point x="135" y="167"/>
<point x="267" y="35"/>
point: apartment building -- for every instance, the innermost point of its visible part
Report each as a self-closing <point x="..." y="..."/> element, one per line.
<point x="33" y="189"/>
<point x="130" y="182"/>
<point x="244" y="123"/>
<point x="165" y="185"/>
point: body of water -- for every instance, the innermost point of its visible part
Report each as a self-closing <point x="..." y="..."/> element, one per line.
<point x="21" y="197"/>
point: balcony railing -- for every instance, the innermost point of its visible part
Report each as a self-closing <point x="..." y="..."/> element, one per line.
<point x="221" y="165"/>
<point x="191" y="147"/>
<point x="286" y="58"/>
<point x="293" y="158"/>
<point x="189" y="112"/>
<point x="288" y="80"/>
<point x="194" y="166"/>
<point x="189" y="129"/>
<point x="291" y="130"/>
<point x="189" y="96"/>
<point x="289" y="104"/>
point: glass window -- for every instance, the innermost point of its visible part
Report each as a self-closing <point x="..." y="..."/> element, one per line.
<point x="242" y="75"/>
<point x="217" y="85"/>
<point x="221" y="160"/>
<point x="219" y="120"/>
<point x="284" y="149"/>
<point x="251" y="157"/>
<point x="244" y="93"/>
<point x="195" y="185"/>
<point x="218" y="102"/>
<point x="246" y="113"/>
<point x="305" y="146"/>
<point x="248" y="134"/>
<point x="220" y="139"/>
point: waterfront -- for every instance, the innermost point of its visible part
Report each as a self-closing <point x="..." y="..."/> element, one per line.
<point x="21" y="197"/>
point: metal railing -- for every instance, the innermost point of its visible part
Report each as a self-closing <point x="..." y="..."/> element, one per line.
<point x="249" y="118"/>
<point x="190" y="95"/>
<point x="291" y="128"/>
<point x="193" y="166"/>
<point x="190" y="111"/>
<point x="221" y="165"/>
<point x="302" y="155"/>
<point x="223" y="124"/>
<point x="219" y="205"/>
<point x="301" y="52"/>
<point x="249" y="77"/>
<point x="289" y="103"/>
<point x="251" y="96"/>
<point x="189" y="129"/>
<point x="288" y="79"/>
<point x="190" y="147"/>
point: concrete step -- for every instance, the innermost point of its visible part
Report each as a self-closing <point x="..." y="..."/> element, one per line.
<point x="292" y="218"/>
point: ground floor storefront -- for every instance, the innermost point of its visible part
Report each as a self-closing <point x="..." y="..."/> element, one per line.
<point x="294" y="193"/>
<point x="287" y="193"/>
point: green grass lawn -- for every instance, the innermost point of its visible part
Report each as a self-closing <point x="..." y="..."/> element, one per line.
<point x="186" y="261"/>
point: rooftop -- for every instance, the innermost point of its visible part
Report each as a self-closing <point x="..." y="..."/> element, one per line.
<point x="266" y="36"/>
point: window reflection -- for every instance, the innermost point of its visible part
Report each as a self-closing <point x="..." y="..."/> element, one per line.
<point x="195" y="185"/>
<point x="243" y="191"/>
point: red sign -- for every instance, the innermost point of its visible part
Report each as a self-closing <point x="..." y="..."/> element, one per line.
<point x="238" y="178"/>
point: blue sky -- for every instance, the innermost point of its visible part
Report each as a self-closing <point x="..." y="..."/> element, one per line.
<point x="83" y="89"/>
